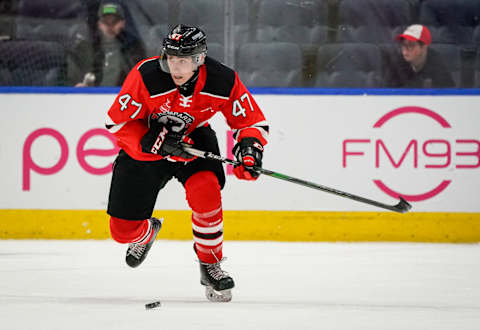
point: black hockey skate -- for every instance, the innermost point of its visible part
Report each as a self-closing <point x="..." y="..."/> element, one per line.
<point x="218" y="283"/>
<point x="136" y="252"/>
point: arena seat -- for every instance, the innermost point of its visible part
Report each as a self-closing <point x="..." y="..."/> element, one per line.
<point x="275" y="64"/>
<point x="6" y="78"/>
<point x="153" y="39"/>
<point x="304" y="23"/>
<point x="55" y="20"/>
<point x="450" y="21"/>
<point x="349" y="65"/>
<point x="345" y="79"/>
<point x="477" y="70"/>
<point x="304" y="36"/>
<point x="147" y="13"/>
<point x="33" y="63"/>
<point x="207" y="15"/>
<point x="216" y="50"/>
<point x="62" y="9"/>
<point x="294" y="21"/>
<point x="373" y="21"/>
<point x="7" y="26"/>
<point x="476" y="37"/>
<point x="451" y="55"/>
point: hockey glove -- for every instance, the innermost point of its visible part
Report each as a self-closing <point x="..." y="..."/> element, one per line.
<point x="249" y="152"/>
<point x="161" y="139"/>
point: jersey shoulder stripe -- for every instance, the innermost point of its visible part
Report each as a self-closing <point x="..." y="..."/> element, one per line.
<point x="155" y="79"/>
<point x="220" y="79"/>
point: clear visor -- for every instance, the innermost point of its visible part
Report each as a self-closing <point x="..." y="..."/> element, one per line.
<point x="180" y="64"/>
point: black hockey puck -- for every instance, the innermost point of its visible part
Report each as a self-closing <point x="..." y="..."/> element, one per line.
<point x="153" y="305"/>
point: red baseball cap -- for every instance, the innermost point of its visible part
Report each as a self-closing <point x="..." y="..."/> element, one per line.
<point x="416" y="32"/>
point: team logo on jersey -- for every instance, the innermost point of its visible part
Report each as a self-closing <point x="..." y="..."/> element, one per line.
<point x="185" y="101"/>
<point x="177" y="122"/>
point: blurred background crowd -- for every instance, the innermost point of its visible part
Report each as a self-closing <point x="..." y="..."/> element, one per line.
<point x="270" y="43"/>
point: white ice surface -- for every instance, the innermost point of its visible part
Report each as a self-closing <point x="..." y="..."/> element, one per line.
<point x="85" y="285"/>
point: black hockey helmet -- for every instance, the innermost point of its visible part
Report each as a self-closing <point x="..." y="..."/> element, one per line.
<point x="184" y="40"/>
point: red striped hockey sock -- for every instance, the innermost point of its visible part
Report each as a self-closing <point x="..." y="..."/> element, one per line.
<point x="130" y="231"/>
<point x="203" y="196"/>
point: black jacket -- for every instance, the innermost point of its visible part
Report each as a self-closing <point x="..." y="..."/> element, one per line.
<point x="435" y="73"/>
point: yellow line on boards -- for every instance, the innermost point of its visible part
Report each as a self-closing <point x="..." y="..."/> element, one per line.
<point x="258" y="225"/>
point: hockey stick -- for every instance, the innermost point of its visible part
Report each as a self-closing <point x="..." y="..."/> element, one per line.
<point x="402" y="207"/>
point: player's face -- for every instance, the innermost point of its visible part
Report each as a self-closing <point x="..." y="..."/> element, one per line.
<point x="181" y="68"/>
<point x="412" y="51"/>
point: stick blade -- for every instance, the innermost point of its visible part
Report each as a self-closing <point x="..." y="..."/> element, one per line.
<point x="403" y="206"/>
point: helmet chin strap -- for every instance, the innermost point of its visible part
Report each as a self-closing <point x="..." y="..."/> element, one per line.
<point x="187" y="88"/>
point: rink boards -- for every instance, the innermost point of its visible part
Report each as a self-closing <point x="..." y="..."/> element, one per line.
<point x="56" y="158"/>
<point x="258" y="225"/>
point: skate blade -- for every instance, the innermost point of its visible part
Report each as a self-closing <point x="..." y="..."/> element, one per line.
<point x="218" y="296"/>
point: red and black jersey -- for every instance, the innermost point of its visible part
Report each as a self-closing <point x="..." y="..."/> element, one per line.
<point x="147" y="90"/>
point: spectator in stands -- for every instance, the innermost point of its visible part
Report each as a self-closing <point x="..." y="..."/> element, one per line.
<point x="115" y="50"/>
<point x="419" y="67"/>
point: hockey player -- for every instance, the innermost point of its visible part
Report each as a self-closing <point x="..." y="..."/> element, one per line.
<point x="166" y="101"/>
